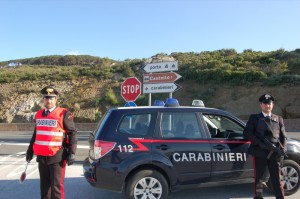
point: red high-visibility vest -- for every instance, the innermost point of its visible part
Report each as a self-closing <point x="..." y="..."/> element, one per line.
<point x="49" y="132"/>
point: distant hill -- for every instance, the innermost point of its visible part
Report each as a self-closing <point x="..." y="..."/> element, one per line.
<point x="90" y="85"/>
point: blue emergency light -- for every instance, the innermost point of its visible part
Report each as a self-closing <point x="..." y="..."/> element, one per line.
<point x="158" y="103"/>
<point x="172" y="102"/>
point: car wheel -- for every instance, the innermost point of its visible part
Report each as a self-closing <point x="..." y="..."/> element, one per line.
<point x="147" y="184"/>
<point x="290" y="177"/>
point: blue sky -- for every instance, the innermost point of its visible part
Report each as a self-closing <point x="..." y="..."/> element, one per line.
<point x="128" y="29"/>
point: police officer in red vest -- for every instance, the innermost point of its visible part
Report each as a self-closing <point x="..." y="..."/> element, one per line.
<point x="54" y="142"/>
<point x="259" y="128"/>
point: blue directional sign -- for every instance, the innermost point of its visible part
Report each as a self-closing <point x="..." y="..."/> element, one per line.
<point x="130" y="104"/>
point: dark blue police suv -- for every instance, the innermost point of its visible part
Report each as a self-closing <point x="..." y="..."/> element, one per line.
<point x="145" y="152"/>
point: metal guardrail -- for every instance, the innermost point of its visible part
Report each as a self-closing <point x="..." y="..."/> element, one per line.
<point x="290" y="125"/>
<point x="30" y="126"/>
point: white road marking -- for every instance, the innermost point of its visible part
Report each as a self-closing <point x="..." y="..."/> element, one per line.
<point x="14" y="166"/>
<point x="10" y="162"/>
<point x="31" y="169"/>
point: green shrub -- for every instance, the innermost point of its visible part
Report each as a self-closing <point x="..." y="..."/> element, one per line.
<point x="110" y="97"/>
<point x="220" y="66"/>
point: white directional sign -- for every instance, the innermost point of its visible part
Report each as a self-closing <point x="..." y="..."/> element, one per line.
<point x="160" y="77"/>
<point x="161" y="67"/>
<point x="160" y="88"/>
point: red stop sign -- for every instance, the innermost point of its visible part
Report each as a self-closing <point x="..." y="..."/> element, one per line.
<point x="131" y="89"/>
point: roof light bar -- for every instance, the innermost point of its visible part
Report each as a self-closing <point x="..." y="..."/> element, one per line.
<point x="198" y="103"/>
<point x="172" y="102"/>
<point x="158" y="103"/>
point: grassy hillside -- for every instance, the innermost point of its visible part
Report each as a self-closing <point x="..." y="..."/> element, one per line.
<point x="220" y="78"/>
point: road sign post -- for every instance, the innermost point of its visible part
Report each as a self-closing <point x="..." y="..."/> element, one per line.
<point x="131" y="89"/>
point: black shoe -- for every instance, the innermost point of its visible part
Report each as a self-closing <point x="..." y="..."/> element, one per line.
<point x="256" y="197"/>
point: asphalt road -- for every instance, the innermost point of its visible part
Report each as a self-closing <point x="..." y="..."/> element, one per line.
<point x="12" y="163"/>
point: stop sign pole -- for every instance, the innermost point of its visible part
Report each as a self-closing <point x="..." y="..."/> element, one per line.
<point x="131" y="89"/>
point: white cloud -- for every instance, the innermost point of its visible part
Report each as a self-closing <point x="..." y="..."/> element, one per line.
<point x="73" y="52"/>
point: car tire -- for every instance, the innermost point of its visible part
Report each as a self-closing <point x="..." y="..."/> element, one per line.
<point x="147" y="184"/>
<point x="290" y="177"/>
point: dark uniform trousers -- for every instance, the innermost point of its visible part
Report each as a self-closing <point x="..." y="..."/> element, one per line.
<point x="52" y="180"/>
<point x="52" y="174"/>
<point x="274" y="168"/>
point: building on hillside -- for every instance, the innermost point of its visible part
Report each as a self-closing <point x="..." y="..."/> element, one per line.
<point x="14" y="64"/>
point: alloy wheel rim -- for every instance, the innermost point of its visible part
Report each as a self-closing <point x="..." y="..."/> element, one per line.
<point x="290" y="177"/>
<point x="148" y="187"/>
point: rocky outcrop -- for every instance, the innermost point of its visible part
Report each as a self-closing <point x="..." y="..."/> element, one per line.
<point x="20" y="101"/>
<point x="241" y="100"/>
<point x="293" y="110"/>
<point x="86" y="115"/>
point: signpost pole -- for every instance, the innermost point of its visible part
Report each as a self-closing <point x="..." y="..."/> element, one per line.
<point x="150" y="96"/>
<point x="149" y="100"/>
<point x="170" y="94"/>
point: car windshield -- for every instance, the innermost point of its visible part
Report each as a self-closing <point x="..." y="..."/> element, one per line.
<point x="221" y="126"/>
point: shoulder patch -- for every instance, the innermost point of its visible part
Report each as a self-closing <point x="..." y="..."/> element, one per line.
<point x="71" y="116"/>
<point x="275" y="118"/>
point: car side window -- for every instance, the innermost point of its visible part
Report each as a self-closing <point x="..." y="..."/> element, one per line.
<point x="135" y="124"/>
<point x="220" y="126"/>
<point x="179" y="125"/>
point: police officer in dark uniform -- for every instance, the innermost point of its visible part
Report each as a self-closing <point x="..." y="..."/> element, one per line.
<point x="54" y="142"/>
<point x="261" y="127"/>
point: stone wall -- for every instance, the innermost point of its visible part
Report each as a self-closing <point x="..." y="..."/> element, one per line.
<point x="290" y="125"/>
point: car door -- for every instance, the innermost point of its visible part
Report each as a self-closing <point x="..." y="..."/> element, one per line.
<point x="230" y="160"/>
<point x="181" y="141"/>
